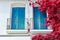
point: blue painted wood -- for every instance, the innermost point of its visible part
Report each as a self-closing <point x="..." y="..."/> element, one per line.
<point x="39" y="19"/>
<point x="21" y="15"/>
<point x="18" y="18"/>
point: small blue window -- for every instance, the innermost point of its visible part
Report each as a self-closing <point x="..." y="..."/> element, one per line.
<point x="39" y="19"/>
<point x="18" y="18"/>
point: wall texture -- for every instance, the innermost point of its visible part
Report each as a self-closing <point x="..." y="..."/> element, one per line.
<point x="4" y="14"/>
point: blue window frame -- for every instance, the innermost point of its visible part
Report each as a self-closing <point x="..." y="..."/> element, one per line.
<point x="18" y="18"/>
<point x="39" y="19"/>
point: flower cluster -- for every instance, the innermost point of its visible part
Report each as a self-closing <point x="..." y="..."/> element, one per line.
<point x="51" y="36"/>
<point x="52" y="7"/>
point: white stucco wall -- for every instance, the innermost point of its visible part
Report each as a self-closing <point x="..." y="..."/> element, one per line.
<point x="15" y="38"/>
<point x="4" y="14"/>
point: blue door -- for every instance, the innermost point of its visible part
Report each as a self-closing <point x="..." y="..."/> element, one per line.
<point x="39" y="19"/>
<point x="18" y="18"/>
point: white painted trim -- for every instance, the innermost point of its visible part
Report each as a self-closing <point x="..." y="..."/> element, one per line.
<point x="35" y="32"/>
<point x="17" y="31"/>
<point x="18" y="4"/>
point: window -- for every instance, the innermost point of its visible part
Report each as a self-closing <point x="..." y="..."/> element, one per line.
<point x="39" y="19"/>
<point x="18" y="19"/>
<point x="19" y="24"/>
<point x="39" y="22"/>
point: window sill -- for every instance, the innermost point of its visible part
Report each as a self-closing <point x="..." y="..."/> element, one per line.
<point x="25" y="32"/>
<point x="34" y="32"/>
<point x="17" y="31"/>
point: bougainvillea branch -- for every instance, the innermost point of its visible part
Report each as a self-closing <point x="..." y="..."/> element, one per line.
<point x="52" y="7"/>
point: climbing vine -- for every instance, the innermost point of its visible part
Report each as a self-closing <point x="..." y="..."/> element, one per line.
<point x="52" y="8"/>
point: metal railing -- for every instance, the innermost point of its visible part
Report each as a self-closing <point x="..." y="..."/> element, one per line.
<point x="9" y="21"/>
<point x="28" y="23"/>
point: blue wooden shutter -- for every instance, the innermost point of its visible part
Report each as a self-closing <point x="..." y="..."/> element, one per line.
<point x="18" y="18"/>
<point x="39" y="19"/>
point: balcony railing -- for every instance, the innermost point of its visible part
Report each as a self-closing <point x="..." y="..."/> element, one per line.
<point x="28" y="27"/>
<point x="16" y="30"/>
<point x="9" y="21"/>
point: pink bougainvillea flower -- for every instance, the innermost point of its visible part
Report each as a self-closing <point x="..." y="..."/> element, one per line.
<point x="52" y="7"/>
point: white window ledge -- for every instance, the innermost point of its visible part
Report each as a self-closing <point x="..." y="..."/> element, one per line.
<point x="25" y="32"/>
<point x="17" y="31"/>
<point x="34" y="32"/>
